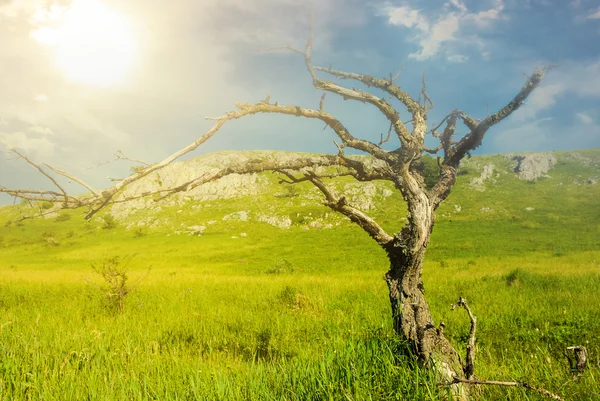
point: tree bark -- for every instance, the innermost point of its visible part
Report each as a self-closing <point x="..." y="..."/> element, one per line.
<point x="410" y="311"/>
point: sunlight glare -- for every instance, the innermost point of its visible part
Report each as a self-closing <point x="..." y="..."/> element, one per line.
<point x="93" y="44"/>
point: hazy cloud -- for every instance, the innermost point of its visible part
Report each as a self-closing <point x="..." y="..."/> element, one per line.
<point x="198" y="58"/>
<point x="594" y="14"/>
<point x="584" y="118"/>
<point x="541" y="99"/>
<point x="574" y="79"/>
<point x="34" y="145"/>
<point x="458" y="58"/>
<point x="433" y="32"/>
<point x="407" y="17"/>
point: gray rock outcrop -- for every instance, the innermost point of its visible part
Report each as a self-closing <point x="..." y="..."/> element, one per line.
<point x="532" y="166"/>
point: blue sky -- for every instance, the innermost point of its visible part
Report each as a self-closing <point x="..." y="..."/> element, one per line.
<point x="198" y="58"/>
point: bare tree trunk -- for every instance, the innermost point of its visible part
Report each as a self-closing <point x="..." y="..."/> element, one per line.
<point x="410" y="310"/>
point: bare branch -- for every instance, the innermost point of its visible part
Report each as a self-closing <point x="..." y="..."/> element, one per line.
<point x="470" y="122"/>
<point x="37" y="167"/>
<point x="388" y="111"/>
<point x="387" y="138"/>
<point x="276" y="48"/>
<point x="296" y="180"/>
<point x="448" y="134"/>
<point x="433" y="151"/>
<point x="469" y="368"/>
<point x="33" y="216"/>
<point x="341" y="131"/>
<point x="423" y="95"/>
<point x="322" y="102"/>
<point x="395" y="76"/>
<point x="341" y="205"/>
<point x="100" y="201"/>
<point x="33" y="195"/>
<point x="474" y="138"/>
<point x="253" y="166"/>
<point x="528" y="386"/>
<point x="121" y="156"/>
<point x="379" y="83"/>
<point x="340" y="148"/>
<point x="73" y="178"/>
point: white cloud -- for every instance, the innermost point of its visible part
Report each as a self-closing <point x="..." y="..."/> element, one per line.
<point x="193" y="62"/>
<point x="407" y="17"/>
<point x="585" y="79"/>
<point x="446" y="28"/>
<point x="461" y="7"/>
<point x="594" y="14"/>
<point x="584" y="118"/>
<point x="41" y="147"/>
<point x="44" y="131"/>
<point x="573" y="79"/>
<point x="529" y="137"/>
<point x="546" y="134"/>
<point x="442" y="31"/>
<point x="458" y="58"/>
<point x="485" y="18"/>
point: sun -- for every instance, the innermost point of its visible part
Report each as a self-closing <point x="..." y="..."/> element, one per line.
<point x="92" y="43"/>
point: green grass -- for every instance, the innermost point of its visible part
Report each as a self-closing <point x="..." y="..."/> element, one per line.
<point x="301" y="313"/>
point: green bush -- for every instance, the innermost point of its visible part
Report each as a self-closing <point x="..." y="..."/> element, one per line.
<point x="115" y="283"/>
<point x="430" y="169"/>
<point x="109" y="221"/>
<point x="63" y="217"/>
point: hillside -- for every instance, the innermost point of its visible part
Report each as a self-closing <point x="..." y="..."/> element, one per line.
<point x="550" y="199"/>
<point x="257" y="291"/>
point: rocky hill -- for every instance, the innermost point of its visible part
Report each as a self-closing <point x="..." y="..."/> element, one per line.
<point x="488" y="187"/>
<point x="265" y="200"/>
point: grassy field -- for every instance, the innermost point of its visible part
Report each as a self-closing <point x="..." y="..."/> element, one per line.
<point x="297" y="313"/>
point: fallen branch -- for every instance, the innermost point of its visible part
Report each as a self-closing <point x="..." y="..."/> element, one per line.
<point x="528" y="386"/>
<point x="469" y="367"/>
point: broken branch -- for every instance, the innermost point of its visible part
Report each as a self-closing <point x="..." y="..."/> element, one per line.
<point x="469" y="368"/>
<point x="528" y="386"/>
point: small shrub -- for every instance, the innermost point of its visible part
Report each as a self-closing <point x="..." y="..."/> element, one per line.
<point x="294" y="299"/>
<point x="429" y="167"/>
<point x="49" y="238"/>
<point x="46" y="205"/>
<point x="291" y="192"/>
<point x="115" y="286"/>
<point x="139" y="233"/>
<point x="70" y="234"/>
<point x="109" y="221"/>
<point x="530" y="225"/>
<point x="287" y="296"/>
<point x="62" y="217"/>
<point x="263" y="344"/>
<point x="280" y="267"/>
<point x="513" y="278"/>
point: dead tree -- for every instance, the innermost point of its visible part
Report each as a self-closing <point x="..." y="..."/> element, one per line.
<point x="405" y="249"/>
